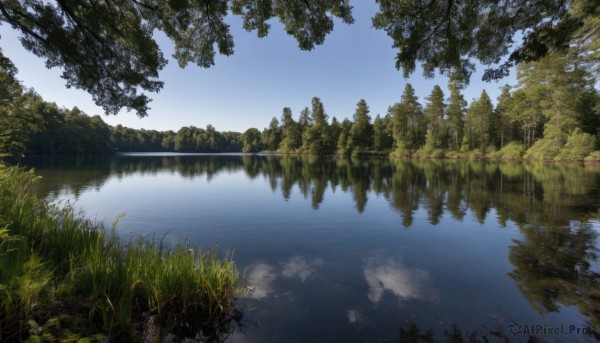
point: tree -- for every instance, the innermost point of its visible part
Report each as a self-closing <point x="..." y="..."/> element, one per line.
<point x="556" y="86"/>
<point x="342" y="143"/>
<point x="335" y="129"/>
<point x="213" y="138"/>
<point x="361" y="132"/>
<point x="456" y="111"/>
<point x="305" y="121"/>
<point x="527" y="115"/>
<point x="107" y="47"/>
<point x="271" y="136"/>
<point x="291" y="132"/>
<point x="436" y="126"/>
<point x="477" y="128"/>
<point x="505" y="127"/>
<point x="382" y="138"/>
<point x="408" y="121"/>
<point x="447" y="35"/>
<point x="18" y="120"/>
<point x="316" y="138"/>
<point x="251" y="140"/>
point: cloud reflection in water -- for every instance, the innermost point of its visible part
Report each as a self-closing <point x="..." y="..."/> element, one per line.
<point x="260" y="276"/>
<point x="403" y="282"/>
<point x="301" y="267"/>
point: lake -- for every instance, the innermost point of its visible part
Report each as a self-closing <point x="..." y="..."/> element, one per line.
<point x="349" y="249"/>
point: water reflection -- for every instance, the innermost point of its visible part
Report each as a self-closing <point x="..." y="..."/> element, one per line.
<point x="405" y="283"/>
<point x="552" y="268"/>
<point x="300" y="267"/>
<point x="554" y="207"/>
<point x="261" y="276"/>
<point x="521" y="192"/>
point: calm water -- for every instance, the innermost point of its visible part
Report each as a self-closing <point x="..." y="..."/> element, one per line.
<point x="360" y="249"/>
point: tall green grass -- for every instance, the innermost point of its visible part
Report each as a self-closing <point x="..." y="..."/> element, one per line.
<point x="57" y="266"/>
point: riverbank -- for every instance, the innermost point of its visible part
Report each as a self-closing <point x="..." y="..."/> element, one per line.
<point x="63" y="277"/>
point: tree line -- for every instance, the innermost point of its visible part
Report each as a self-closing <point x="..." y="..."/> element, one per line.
<point x="552" y="113"/>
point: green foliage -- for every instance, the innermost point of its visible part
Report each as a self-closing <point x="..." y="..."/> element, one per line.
<point x="382" y="133"/>
<point x="512" y="150"/>
<point x="408" y="122"/>
<point x="553" y="87"/>
<point x="544" y="149"/>
<point x="428" y="152"/>
<point x="579" y="145"/>
<point x="252" y="140"/>
<point x="478" y="124"/>
<point x="271" y="136"/>
<point x="436" y="124"/>
<point x="455" y="111"/>
<point x="594" y="156"/>
<point x="342" y="144"/>
<point x="19" y="115"/>
<point x="441" y="34"/>
<point x="48" y="255"/>
<point x="318" y="138"/>
<point x="401" y="151"/>
<point x="361" y="132"/>
<point x="109" y="50"/>
<point x="291" y="131"/>
<point x="505" y="128"/>
<point x="555" y="96"/>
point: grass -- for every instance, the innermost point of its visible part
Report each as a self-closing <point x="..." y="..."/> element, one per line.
<point x="63" y="277"/>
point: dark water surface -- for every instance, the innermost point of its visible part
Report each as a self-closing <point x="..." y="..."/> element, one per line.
<point x="359" y="249"/>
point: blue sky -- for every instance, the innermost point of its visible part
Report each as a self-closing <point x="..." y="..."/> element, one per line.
<point x="264" y="75"/>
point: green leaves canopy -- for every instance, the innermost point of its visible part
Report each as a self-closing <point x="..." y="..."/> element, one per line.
<point x="106" y="47"/>
<point x="449" y="34"/>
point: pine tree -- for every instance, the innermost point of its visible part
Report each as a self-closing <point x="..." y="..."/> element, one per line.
<point x="291" y="132"/>
<point x="455" y="112"/>
<point x="477" y="123"/>
<point x="361" y="132"/>
<point x="436" y="125"/>
<point x="408" y="130"/>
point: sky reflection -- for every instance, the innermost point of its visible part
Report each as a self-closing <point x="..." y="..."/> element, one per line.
<point x="405" y="283"/>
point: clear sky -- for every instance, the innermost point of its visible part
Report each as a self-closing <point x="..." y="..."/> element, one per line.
<point x="263" y="75"/>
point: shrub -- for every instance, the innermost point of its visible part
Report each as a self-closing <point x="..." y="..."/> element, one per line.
<point x="594" y="156"/>
<point x="579" y="145"/>
<point x="512" y="150"/>
<point x="543" y="149"/>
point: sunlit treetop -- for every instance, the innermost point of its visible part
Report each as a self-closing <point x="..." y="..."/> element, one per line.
<point x="106" y="47"/>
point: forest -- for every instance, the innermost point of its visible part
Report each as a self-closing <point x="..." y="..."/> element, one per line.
<point x="553" y="113"/>
<point x="65" y="277"/>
